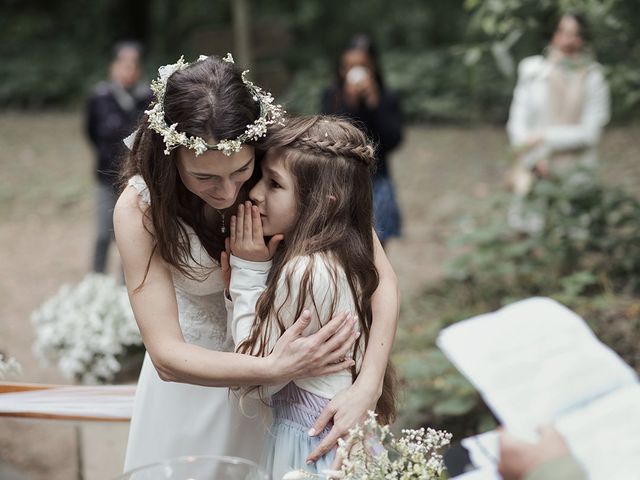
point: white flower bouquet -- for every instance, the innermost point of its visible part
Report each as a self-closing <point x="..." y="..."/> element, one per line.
<point x="372" y="452"/>
<point x="87" y="329"/>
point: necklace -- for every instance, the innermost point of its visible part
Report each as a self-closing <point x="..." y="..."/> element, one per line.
<point x="223" y="228"/>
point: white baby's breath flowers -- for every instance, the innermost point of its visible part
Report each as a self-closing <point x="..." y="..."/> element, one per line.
<point x="270" y="114"/>
<point x="372" y="452"/>
<point x="9" y="367"/>
<point x="86" y="329"/>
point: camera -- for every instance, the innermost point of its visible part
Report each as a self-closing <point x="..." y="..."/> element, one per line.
<point x="356" y="74"/>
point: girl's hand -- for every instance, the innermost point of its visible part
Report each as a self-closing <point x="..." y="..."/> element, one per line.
<point x="247" y="239"/>
<point x="324" y="352"/>
<point x="347" y="409"/>
<point x="225" y="266"/>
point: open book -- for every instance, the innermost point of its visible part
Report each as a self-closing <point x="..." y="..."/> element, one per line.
<point x="537" y="362"/>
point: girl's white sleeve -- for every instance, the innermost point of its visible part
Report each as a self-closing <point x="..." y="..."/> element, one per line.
<point x="248" y="281"/>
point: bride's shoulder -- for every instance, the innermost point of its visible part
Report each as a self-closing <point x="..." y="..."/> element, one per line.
<point x="129" y="215"/>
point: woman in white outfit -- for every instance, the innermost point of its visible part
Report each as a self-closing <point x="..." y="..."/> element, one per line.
<point x="560" y="106"/>
<point x="192" y="162"/>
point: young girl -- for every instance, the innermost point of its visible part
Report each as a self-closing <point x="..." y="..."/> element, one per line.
<point x="315" y="199"/>
<point x="192" y="161"/>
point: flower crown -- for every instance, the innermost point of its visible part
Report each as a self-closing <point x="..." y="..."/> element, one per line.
<point x="270" y="113"/>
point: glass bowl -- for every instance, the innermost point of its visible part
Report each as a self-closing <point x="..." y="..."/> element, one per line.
<point x="200" y="467"/>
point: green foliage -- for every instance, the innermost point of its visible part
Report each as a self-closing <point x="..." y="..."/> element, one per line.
<point x="584" y="252"/>
<point x="582" y="238"/>
<point x="433" y="392"/>
<point x="450" y="61"/>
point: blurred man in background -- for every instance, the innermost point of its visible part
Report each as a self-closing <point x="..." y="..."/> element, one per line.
<point x="113" y="110"/>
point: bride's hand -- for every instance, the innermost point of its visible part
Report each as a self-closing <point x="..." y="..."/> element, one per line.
<point x="347" y="409"/>
<point x="324" y="352"/>
<point x="225" y="267"/>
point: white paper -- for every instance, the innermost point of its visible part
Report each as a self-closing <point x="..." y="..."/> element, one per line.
<point x="480" y="474"/>
<point x="605" y="434"/>
<point x="537" y="362"/>
<point x="533" y="361"/>
<point x="483" y="449"/>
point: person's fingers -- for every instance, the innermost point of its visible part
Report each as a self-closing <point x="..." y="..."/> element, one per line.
<point x="226" y="269"/>
<point x="335" y="325"/>
<point x="257" y="224"/>
<point x="323" y="419"/>
<point x="240" y="224"/>
<point x="342" y="341"/>
<point x="232" y="226"/>
<point x="227" y="245"/>
<point x="297" y="329"/>
<point x="344" y="350"/>
<point x="248" y="223"/>
<point x="224" y="262"/>
<point x="552" y="438"/>
<point x="334" y="367"/>
<point x="337" y="462"/>
<point x="547" y="430"/>
<point x="327" y="444"/>
<point x="273" y="243"/>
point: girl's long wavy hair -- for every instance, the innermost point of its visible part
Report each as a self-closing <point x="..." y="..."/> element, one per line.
<point x="207" y="99"/>
<point x="329" y="160"/>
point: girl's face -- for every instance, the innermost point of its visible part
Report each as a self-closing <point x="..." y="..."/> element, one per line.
<point x="275" y="196"/>
<point x="215" y="177"/>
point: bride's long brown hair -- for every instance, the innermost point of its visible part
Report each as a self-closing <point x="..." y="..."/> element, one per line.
<point x="329" y="160"/>
<point x="207" y="99"/>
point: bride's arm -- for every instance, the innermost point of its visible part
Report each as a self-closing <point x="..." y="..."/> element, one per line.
<point x="156" y="312"/>
<point x="350" y="406"/>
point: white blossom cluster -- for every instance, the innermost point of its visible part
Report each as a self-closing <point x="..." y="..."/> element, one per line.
<point x="270" y="113"/>
<point x="9" y="367"/>
<point x="372" y="452"/>
<point x="86" y="329"/>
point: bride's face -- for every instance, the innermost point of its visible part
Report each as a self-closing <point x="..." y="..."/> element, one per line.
<point x="215" y="177"/>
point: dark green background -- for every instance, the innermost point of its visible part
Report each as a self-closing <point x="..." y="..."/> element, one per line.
<point x="436" y="53"/>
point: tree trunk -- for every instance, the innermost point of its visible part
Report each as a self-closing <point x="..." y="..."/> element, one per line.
<point x="241" y="32"/>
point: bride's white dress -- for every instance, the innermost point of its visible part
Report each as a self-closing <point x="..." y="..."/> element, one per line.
<point x="175" y="419"/>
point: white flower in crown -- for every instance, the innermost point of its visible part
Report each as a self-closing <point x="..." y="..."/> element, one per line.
<point x="166" y="71"/>
<point x="270" y="114"/>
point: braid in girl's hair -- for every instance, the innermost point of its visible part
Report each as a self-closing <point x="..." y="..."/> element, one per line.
<point x="362" y="152"/>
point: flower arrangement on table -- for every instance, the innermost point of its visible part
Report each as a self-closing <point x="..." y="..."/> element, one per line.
<point x="9" y="367"/>
<point x="87" y="329"/>
<point x="372" y="452"/>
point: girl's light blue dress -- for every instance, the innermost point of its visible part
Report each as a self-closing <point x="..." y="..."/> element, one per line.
<point x="288" y="443"/>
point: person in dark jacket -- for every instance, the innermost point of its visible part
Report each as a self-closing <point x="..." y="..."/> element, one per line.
<point x="360" y="94"/>
<point x="113" y="109"/>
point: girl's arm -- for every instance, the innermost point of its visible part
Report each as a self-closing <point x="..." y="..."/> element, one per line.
<point x="156" y="312"/>
<point x="350" y="407"/>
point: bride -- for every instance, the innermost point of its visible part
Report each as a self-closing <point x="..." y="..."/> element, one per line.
<point x="192" y="162"/>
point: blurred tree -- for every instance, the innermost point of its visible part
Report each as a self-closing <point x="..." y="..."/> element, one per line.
<point x="449" y="60"/>
<point x="508" y="30"/>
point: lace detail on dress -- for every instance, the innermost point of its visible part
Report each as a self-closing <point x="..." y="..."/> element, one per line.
<point x="200" y="320"/>
<point x="138" y="183"/>
<point x="201" y="309"/>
